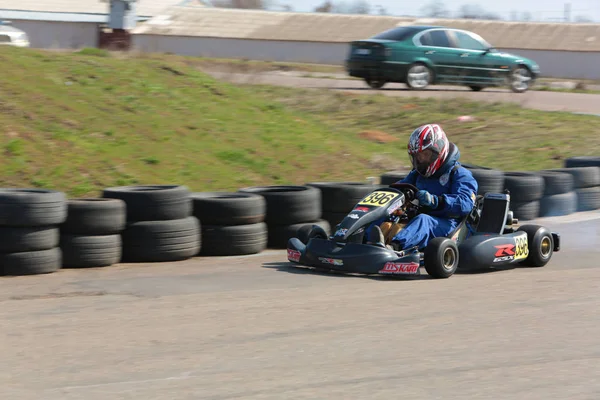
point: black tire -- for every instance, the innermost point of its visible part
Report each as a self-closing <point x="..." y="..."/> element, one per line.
<point x="95" y="216"/>
<point x="17" y="240"/>
<point x="280" y="234"/>
<point x="583" y="177"/>
<point x="556" y="182"/>
<point x="307" y="232"/>
<point x="81" y="251"/>
<point x="161" y="241"/>
<point x="288" y="205"/>
<point x="441" y="258"/>
<point x="153" y="202"/>
<point x="488" y="180"/>
<point x="229" y="208"/>
<point x="32" y="207"/>
<point x="582" y="161"/>
<point x="392" y="177"/>
<point x="31" y="262"/>
<point x="524" y="186"/>
<point x="525" y="210"/>
<point x="540" y="243"/>
<point x="476" y="88"/>
<point x="588" y="199"/>
<point x="557" y="205"/>
<point x="342" y="196"/>
<point x="236" y="240"/>
<point x="333" y="218"/>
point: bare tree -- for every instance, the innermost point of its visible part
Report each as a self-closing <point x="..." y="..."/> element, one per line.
<point x="435" y="9"/>
<point x="244" y="4"/>
<point x="475" y="11"/>
<point x="344" y="7"/>
<point x="526" y="16"/>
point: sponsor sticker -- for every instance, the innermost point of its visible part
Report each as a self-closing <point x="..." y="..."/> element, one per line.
<point x="341" y="232"/>
<point x="361" y="209"/>
<point x="400" y="268"/>
<point x="353" y="216"/>
<point x="331" y="261"/>
<point x="293" y="255"/>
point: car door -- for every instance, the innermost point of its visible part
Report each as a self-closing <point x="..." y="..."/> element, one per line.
<point x="435" y="45"/>
<point x="473" y="61"/>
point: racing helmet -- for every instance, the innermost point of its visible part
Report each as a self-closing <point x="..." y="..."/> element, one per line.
<point x="428" y="149"/>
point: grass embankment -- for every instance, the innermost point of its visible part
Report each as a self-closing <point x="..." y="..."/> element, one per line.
<point x="79" y="123"/>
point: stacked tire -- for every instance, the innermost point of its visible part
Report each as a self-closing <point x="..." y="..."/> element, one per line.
<point x="339" y="198"/>
<point x="29" y="231"/>
<point x="289" y="208"/>
<point x="392" y="177"/>
<point x="160" y="226"/>
<point x="586" y="182"/>
<point x="489" y="180"/>
<point x="232" y="223"/>
<point x="559" y="196"/>
<point x="91" y="235"/>
<point x="526" y="190"/>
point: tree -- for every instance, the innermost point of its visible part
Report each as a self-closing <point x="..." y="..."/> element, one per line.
<point x="435" y="9"/>
<point x="244" y="4"/>
<point x="354" y="7"/>
<point x="580" y="19"/>
<point x="475" y="11"/>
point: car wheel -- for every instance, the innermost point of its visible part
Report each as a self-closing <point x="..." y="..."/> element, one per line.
<point x="419" y="76"/>
<point x="375" y="83"/>
<point x="476" y="88"/>
<point x="520" y="79"/>
<point x="540" y="244"/>
<point x="441" y="258"/>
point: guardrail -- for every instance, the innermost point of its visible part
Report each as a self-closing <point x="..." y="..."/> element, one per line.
<point x="42" y="231"/>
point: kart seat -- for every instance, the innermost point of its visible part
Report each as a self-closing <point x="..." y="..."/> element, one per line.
<point x="494" y="213"/>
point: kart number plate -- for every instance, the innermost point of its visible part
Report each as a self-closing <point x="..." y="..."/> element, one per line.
<point x="521" y="248"/>
<point x="378" y="199"/>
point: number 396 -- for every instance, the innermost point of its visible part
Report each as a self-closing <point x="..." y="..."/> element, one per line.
<point x="379" y="198"/>
<point x="521" y="250"/>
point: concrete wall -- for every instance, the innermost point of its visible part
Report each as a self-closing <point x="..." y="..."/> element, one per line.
<point x="59" y="35"/>
<point x="572" y="65"/>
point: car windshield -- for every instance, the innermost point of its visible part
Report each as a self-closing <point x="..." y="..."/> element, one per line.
<point x="484" y="42"/>
<point x="398" y="34"/>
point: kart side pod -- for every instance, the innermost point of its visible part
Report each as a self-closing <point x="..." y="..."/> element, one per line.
<point x="485" y="251"/>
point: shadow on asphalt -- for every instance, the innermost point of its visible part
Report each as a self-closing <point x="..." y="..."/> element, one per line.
<point x="290" y="268"/>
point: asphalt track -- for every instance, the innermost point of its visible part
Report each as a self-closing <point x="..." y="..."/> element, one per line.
<point x="256" y="328"/>
<point x="540" y="100"/>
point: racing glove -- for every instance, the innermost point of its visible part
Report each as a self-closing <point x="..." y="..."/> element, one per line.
<point x="427" y="199"/>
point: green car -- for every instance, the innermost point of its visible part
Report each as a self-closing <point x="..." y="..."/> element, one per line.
<point x="420" y="56"/>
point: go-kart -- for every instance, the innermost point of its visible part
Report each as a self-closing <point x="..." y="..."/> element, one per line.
<point x="485" y="238"/>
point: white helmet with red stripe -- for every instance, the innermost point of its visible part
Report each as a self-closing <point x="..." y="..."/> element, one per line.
<point x="428" y="149"/>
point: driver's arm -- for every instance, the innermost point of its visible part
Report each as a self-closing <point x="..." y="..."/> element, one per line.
<point x="461" y="199"/>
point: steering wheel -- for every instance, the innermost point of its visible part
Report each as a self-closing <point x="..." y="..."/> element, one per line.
<point x="410" y="194"/>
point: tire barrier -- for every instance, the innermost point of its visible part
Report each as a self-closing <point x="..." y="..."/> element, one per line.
<point x="288" y="208"/>
<point x="41" y="231"/>
<point x="232" y="223"/>
<point x="91" y="234"/>
<point x="339" y="198"/>
<point x="159" y="223"/>
<point x="29" y="231"/>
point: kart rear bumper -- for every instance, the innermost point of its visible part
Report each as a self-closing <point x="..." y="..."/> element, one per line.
<point x="352" y="257"/>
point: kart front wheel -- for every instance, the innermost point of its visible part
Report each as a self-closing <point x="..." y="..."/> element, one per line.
<point x="441" y="258"/>
<point x="308" y="232"/>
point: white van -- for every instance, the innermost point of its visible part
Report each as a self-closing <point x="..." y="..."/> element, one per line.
<point x="11" y="36"/>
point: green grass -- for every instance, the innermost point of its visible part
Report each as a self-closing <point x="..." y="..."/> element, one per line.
<point x="80" y="122"/>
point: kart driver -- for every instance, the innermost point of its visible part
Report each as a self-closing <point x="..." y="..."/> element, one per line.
<point x="447" y="192"/>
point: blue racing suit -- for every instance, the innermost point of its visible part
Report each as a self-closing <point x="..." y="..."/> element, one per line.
<point x="456" y="189"/>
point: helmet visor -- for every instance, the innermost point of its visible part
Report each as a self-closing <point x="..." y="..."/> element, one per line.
<point x="422" y="160"/>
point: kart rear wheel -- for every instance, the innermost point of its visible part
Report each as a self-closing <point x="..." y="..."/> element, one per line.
<point x="540" y="243"/>
<point x="441" y="258"/>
